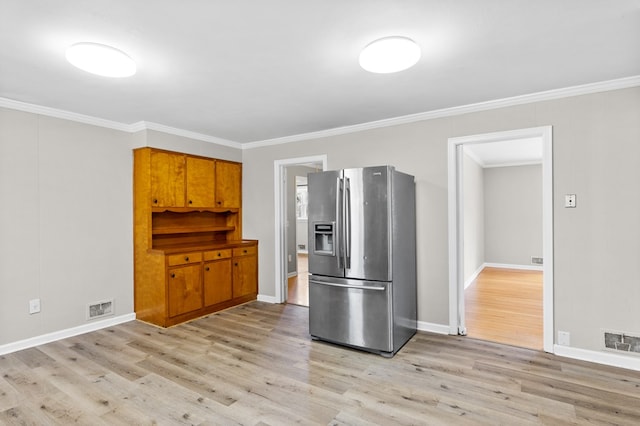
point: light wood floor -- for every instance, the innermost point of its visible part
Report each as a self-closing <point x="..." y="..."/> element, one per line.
<point x="505" y="306"/>
<point x="256" y="365"/>
<point x="298" y="286"/>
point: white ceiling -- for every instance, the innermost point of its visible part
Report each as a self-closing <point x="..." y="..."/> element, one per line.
<point x="253" y="70"/>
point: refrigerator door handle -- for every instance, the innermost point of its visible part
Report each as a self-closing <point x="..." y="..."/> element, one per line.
<point x="358" y="287"/>
<point x="338" y="230"/>
<point x="347" y="222"/>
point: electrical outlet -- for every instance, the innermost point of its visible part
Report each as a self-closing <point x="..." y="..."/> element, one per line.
<point x="564" y="338"/>
<point x="34" y="306"/>
<point x="570" y="201"/>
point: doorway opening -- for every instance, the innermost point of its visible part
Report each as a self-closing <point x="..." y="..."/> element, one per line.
<point x="291" y="227"/>
<point x="504" y="276"/>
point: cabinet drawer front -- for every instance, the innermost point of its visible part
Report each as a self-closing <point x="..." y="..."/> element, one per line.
<point x="245" y="251"/>
<point x="217" y="254"/>
<point x="183" y="259"/>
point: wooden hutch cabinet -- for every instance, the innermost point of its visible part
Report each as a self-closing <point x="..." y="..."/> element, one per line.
<point x="189" y="256"/>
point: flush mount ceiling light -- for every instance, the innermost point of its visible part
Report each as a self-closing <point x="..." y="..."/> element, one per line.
<point x="390" y="54"/>
<point x="101" y="59"/>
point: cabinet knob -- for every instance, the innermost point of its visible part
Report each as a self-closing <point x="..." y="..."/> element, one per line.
<point x="186" y="258"/>
<point x="244" y="251"/>
<point x="206" y="269"/>
<point x="235" y="264"/>
<point x="219" y="202"/>
<point x="155" y="201"/>
<point x="190" y="201"/>
<point x="173" y="275"/>
<point x="219" y="254"/>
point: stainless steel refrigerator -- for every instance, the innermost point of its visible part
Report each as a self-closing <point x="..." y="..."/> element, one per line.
<point x="362" y="258"/>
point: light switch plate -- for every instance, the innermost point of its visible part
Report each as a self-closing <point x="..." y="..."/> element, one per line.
<point x="34" y="306"/>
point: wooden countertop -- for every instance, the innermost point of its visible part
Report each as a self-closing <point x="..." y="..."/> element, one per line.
<point x="218" y="245"/>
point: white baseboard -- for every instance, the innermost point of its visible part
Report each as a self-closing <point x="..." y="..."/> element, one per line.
<point x="267" y="299"/>
<point x="63" y="334"/>
<point x="606" y="358"/>
<point x="433" y="328"/>
<point x="473" y="276"/>
<point x="292" y="274"/>
<point x="510" y="266"/>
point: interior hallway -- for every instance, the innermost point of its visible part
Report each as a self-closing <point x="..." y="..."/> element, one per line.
<point x="505" y="306"/>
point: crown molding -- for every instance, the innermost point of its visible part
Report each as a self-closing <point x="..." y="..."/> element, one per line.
<point x="65" y="115"/>
<point x="585" y="89"/>
<point x="604" y="86"/>
<point x="146" y="125"/>
<point x="100" y="122"/>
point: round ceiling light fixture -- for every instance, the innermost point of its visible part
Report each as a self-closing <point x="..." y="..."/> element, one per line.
<point x="390" y="54"/>
<point x="101" y="59"/>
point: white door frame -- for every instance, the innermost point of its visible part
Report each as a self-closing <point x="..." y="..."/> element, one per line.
<point x="456" y="209"/>
<point x="280" y="194"/>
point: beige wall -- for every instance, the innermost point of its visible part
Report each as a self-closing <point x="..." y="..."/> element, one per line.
<point x="596" y="156"/>
<point x="65" y="222"/>
<point x="473" y="205"/>
<point x="66" y="218"/>
<point x="171" y="142"/>
<point x="513" y="214"/>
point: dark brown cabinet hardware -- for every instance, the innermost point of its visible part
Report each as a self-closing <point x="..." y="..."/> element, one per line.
<point x="186" y="258"/>
<point x="206" y="269"/>
<point x="155" y="201"/>
<point x="173" y="275"/>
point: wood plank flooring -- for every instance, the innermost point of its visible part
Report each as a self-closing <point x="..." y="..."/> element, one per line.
<point x="505" y="306"/>
<point x="298" y="286"/>
<point x="256" y="365"/>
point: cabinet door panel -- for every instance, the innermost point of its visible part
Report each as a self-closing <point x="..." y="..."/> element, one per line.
<point x="167" y="179"/>
<point x="217" y="282"/>
<point x="245" y="275"/>
<point x="185" y="289"/>
<point x="228" y="184"/>
<point x="200" y="182"/>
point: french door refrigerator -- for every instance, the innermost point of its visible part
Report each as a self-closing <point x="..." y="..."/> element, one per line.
<point x="362" y="258"/>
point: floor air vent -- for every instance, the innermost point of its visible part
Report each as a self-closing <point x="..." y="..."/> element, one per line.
<point x="100" y="309"/>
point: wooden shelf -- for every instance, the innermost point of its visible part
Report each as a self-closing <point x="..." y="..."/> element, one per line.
<point x="189" y="230"/>
<point x="191" y="209"/>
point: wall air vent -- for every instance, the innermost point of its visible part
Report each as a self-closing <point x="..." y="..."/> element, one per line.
<point x="536" y="260"/>
<point x="621" y="341"/>
<point x="100" y="309"/>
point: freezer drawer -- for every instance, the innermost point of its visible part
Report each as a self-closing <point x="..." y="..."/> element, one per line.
<point x="351" y="312"/>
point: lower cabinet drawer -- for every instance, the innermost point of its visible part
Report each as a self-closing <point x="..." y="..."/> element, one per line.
<point x="244" y="251"/>
<point x="217" y="254"/>
<point x="184" y="258"/>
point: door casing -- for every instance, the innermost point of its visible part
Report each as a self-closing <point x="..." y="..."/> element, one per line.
<point x="280" y="202"/>
<point x="456" y="209"/>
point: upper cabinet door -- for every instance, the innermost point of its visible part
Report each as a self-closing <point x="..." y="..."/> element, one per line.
<point x="228" y="184"/>
<point x="167" y="179"/>
<point x="201" y="178"/>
